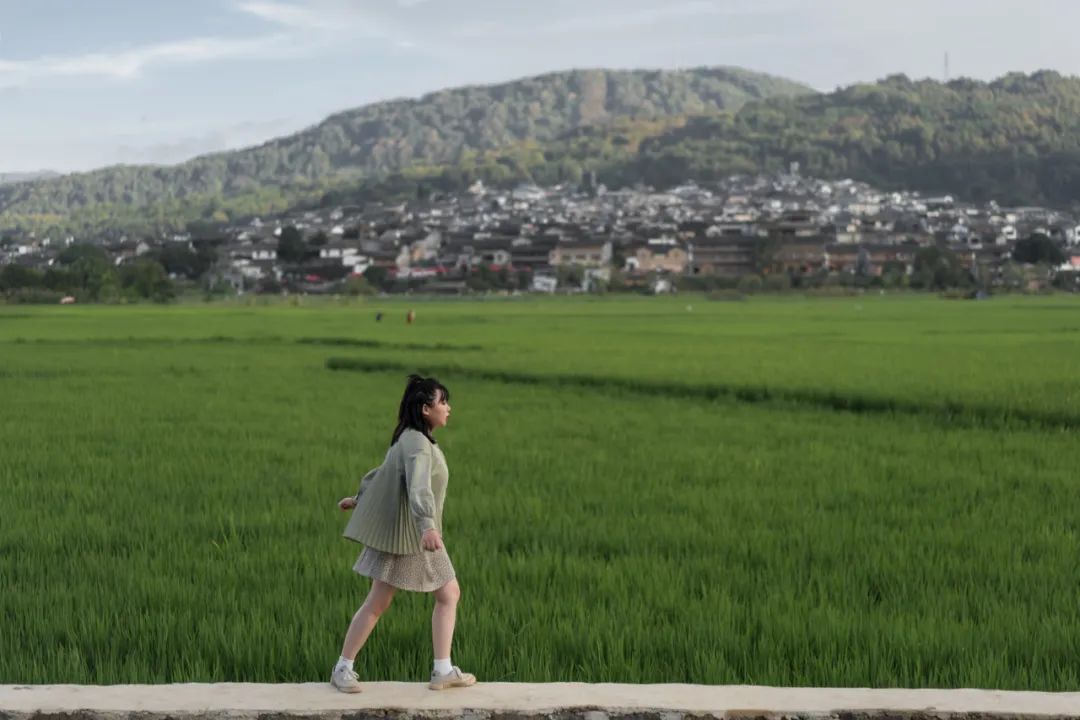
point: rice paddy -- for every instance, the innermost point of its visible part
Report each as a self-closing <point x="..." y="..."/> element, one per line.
<point x="863" y="492"/>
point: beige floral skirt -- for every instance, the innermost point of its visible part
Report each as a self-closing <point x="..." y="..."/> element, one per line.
<point x="424" y="571"/>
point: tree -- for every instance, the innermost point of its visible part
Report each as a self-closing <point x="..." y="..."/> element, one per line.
<point x="13" y="277"/>
<point x="377" y="276"/>
<point x="328" y="270"/>
<point x="73" y="253"/>
<point x="481" y="278"/>
<point x="319" y="239"/>
<point x="206" y="250"/>
<point x="777" y="282"/>
<point x="291" y="247"/>
<point x="146" y="279"/>
<point x="750" y="283"/>
<point x="201" y="227"/>
<point x="88" y="267"/>
<point x="863" y="267"/>
<point x="58" y="279"/>
<point x="268" y="286"/>
<point x="178" y="259"/>
<point x="894" y="274"/>
<point x="1010" y="276"/>
<point x="1038" y="249"/>
<point x="358" y="285"/>
<point x="765" y="254"/>
<point x="618" y="257"/>
<point x="570" y="275"/>
<point x="938" y="268"/>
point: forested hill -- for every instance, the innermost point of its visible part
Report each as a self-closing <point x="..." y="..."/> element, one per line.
<point x="16" y="177"/>
<point x="1015" y="139"/>
<point x="435" y="129"/>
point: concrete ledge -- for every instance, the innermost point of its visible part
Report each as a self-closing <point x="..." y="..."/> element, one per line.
<point x="518" y="701"/>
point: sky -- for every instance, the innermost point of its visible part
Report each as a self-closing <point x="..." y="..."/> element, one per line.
<point x="90" y="83"/>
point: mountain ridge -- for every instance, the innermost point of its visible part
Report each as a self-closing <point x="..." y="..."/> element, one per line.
<point x="8" y="178"/>
<point x="392" y="134"/>
<point x="1015" y="139"/>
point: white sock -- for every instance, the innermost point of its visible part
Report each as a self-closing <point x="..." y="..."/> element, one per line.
<point x="343" y="661"/>
<point x="443" y="666"/>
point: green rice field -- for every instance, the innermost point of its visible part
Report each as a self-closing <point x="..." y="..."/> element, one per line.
<point x="879" y="491"/>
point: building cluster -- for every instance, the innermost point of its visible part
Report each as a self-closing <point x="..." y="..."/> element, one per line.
<point x="744" y="225"/>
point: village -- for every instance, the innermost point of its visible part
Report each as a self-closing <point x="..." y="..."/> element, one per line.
<point x="775" y="232"/>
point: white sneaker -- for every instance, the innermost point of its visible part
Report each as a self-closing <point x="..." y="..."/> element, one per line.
<point x="454" y="678"/>
<point x="345" y="680"/>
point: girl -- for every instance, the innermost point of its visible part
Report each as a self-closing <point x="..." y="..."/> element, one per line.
<point x="397" y="515"/>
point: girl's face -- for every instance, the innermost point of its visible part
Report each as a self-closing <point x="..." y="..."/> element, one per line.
<point x="438" y="414"/>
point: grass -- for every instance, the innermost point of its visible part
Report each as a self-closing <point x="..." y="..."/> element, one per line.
<point x="638" y="492"/>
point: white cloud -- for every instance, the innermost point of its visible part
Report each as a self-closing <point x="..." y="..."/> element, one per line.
<point x="304" y="17"/>
<point x="304" y="28"/>
<point x="131" y="63"/>
<point x="137" y="150"/>
<point x="330" y="20"/>
<point x="627" y="18"/>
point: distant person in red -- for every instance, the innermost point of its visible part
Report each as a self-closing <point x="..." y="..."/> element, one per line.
<point x="410" y="317"/>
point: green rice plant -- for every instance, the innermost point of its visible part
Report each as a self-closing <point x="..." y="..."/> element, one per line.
<point x="638" y="492"/>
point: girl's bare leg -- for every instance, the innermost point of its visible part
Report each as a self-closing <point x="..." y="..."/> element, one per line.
<point x="443" y="618"/>
<point x="363" y="622"/>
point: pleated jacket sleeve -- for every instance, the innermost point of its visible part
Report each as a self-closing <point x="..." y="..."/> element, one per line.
<point x="365" y="481"/>
<point x="401" y="498"/>
<point x="417" y="456"/>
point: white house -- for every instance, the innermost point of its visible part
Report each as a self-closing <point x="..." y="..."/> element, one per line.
<point x="338" y="251"/>
<point x="528" y="193"/>
<point x="661" y="286"/>
<point x="544" y="283"/>
<point x="264" y="252"/>
<point x="359" y="263"/>
<point x="333" y="251"/>
<point x="1072" y="235"/>
<point x="347" y="255"/>
<point x="592" y="275"/>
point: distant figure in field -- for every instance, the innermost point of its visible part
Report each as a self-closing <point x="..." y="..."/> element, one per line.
<point x="410" y="317"/>
<point x="400" y="526"/>
<point x="378" y="317"/>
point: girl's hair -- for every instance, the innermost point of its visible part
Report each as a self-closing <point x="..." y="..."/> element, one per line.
<point x="419" y="391"/>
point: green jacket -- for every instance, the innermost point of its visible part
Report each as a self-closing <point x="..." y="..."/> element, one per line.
<point x="401" y="498"/>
